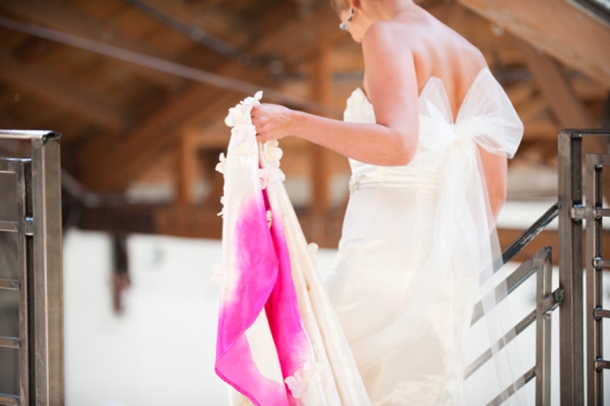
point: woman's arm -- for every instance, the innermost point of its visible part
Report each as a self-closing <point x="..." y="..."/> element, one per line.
<point x="374" y="144"/>
<point x="391" y="85"/>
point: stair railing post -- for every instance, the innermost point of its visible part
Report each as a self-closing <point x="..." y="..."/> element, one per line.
<point x="571" y="344"/>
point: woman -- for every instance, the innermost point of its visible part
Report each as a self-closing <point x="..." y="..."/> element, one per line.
<point x="428" y="136"/>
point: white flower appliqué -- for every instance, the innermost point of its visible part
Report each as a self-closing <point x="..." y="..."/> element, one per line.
<point x="354" y="183"/>
<point x="244" y="151"/>
<point x="219" y="276"/>
<point x="242" y="131"/>
<point x="239" y="113"/>
<point x="315" y="369"/>
<point x="296" y="384"/>
<point x="270" y="177"/>
<point x="235" y="116"/>
<point x="220" y="166"/>
<point x="272" y="153"/>
<point x="222" y="211"/>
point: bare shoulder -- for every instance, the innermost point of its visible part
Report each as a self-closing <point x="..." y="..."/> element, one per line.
<point x="383" y="48"/>
<point x="382" y="36"/>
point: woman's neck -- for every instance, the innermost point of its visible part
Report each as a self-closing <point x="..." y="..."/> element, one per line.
<point x="386" y="9"/>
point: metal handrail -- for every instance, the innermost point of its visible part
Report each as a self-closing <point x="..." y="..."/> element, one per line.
<point x="42" y="135"/>
<point x="595" y="263"/>
<point x="38" y="229"/>
<point x="539" y="264"/>
<point x="572" y="211"/>
<point x="531" y="233"/>
<point x="513" y="281"/>
<point x="547" y="301"/>
<point x="572" y="214"/>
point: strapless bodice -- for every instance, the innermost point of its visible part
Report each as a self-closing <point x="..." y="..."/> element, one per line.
<point x="415" y="242"/>
<point x="486" y="117"/>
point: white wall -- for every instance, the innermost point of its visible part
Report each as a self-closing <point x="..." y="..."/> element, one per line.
<point x="161" y="350"/>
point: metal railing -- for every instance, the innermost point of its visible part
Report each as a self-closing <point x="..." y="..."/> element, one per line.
<point x="38" y="229"/>
<point x="39" y="282"/>
<point x="541" y="265"/>
<point x="574" y="211"/>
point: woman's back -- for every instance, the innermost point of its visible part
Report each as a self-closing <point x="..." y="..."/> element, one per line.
<point x="416" y="236"/>
<point x="437" y="51"/>
<point x="415" y="239"/>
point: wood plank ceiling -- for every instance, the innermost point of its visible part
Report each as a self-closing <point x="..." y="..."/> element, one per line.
<point x="124" y="123"/>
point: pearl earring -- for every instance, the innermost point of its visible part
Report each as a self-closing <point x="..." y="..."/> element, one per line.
<point x="344" y="25"/>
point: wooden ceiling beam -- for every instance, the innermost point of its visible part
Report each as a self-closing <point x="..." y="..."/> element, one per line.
<point x="520" y="92"/>
<point x="59" y="91"/>
<point x="65" y="18"/>
<point x="213" y="19"/>
<point x="535" y="105"/>
<point x="119" y="161"/>
<point x="112" y="164"/>
<point x="186" y="171"/>
<point x="540" y="130"/>
<point x="567" y="107"/>
<point x="556" y="88"/>
<point x="321" y="86"/>
<point x="556" y="27"/>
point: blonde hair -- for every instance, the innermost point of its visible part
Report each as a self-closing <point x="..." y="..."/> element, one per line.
<point x="339" y="5"/>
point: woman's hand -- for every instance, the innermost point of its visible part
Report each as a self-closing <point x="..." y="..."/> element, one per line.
<point x="273" y="121"/>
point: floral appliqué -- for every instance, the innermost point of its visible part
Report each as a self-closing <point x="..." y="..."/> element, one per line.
<point x="238" y="114"/>
<point x="272" y="153"/>
<point x="244" y="151"/>
<point x="242" y="131"/>
<point x="222" y="162"/>
<point x="270" y="177"/>
<point x="315" y="369"/>
<point x="296" y="384"/>
<point x="221" y="213"/>
<point x="354" y="183"/>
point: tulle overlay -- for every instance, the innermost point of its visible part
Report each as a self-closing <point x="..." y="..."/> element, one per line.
<point x="417" y="240"/>
<point x="415" y="255"/>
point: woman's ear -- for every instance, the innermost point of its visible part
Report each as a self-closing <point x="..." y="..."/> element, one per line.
<point x="355" y="4"/>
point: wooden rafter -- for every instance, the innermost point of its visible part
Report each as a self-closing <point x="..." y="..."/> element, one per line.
<point x="556" y="27"/>
<point x="56" y="90"/>
<point x="321" y="83"/>
<point x="558" y="92"/>
<point x="186" y="170"/>
<point x="110" y="164"/>
<point x="67" y="19"/>
<point x="567" y="107"/>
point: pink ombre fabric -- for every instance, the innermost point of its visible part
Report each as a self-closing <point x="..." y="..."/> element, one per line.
<point x="258" y="280"/>
<point x="279" y="341"/>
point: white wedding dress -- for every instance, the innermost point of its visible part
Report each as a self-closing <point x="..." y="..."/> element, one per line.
<point x="416" y="253"/>
<point x="416" y="242"/>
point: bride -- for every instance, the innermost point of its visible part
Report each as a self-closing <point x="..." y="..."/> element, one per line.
<point x="428" y="136"/>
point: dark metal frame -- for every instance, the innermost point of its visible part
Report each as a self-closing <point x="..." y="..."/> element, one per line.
<point x="573" y="212"/>
<point x="40" y="280"/>
<point x="547" y="300"/>
<point x="594" y="8"/>
<point x="595" y="264"/>
<point x="40" y="276"/>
